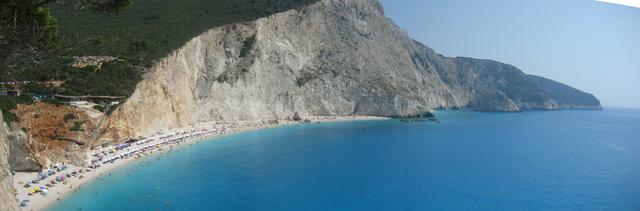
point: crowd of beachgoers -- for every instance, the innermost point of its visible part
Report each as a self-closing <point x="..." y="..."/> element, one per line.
<point x="138" y="148"/>
<point x="57" y="177"/>
<point x="37" y="190"/>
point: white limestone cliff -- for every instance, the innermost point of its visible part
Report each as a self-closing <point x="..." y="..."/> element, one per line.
<point x="8" y="200"/>
<point x="330" y="58"/>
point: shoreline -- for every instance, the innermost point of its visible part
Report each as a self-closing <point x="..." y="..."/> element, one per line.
<point x="176" y="138"/>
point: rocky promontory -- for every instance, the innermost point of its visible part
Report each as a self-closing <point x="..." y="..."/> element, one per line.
<point x="330" y="58"/>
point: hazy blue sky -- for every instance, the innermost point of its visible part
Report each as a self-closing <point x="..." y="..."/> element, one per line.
<point x="592" y="46"/>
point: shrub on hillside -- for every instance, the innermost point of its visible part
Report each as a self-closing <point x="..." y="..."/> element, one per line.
<point x="53" y="102"/>
<point x="99" y="108"/>
<point x="7" y="105"/>
<point x="69" y="116"/>
<point x="77" y="126"/>
<point x="247" y="45"/>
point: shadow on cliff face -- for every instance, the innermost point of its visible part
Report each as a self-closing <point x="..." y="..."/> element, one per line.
<point x="8" y="200"/>
<point x="20" y="158"/>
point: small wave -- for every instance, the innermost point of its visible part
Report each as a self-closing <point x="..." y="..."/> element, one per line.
<point x="615" y="147"/>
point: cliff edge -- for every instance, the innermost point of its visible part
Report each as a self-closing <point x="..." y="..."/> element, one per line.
<point x="8" y="199"/>
<point x="567" y="97"/>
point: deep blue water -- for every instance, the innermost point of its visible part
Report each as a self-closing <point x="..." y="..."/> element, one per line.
<point x="560" y="160"/>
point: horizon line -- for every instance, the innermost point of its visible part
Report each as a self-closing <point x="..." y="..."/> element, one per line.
<point x="618" y="106"/>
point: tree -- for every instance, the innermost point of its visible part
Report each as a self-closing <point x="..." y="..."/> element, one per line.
<point x="30" y="23"/>
<point x="28" y="30"/>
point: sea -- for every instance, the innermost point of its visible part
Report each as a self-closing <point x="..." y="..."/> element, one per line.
<point x="533" y="160"/>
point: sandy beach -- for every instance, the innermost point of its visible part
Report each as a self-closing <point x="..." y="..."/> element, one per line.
<point x="112" y="158"/>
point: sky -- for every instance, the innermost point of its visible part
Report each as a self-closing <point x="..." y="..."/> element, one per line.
<point x="590" y="45"/>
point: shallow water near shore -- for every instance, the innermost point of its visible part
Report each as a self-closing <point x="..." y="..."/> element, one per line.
<point x="533" y="160"/>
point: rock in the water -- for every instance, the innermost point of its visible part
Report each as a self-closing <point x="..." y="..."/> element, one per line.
<point x="296" y="117"/>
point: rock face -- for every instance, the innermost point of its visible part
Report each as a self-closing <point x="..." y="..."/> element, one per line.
<point x="487" y="85"/>
<point x="51" y="137"/>
<point x="19" y="157"/>
<point x="7" y="198"/>
<point x="567" y="97"/>
<point x="334" y="57"/>
<point x="296" y="117"/>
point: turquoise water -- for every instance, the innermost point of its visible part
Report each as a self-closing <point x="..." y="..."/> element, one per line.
<point x="561" y="160"/>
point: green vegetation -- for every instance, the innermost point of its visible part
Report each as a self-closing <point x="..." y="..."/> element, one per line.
<point x="29" y="31"/>
<point x="40" y="38"/>
<point x="53" y="102"/>
<point x="77" y="126"/>
<point x="155" y="27"/>
<point x="24" y="99"/>
<point x="116" y="79"/>
<point x="112" y="108"/>
<point x="247" y="45"/>
<point x="138" y="32"/>
<point x="7" y="104"/>
<point x="99" y="108"/>
<point x="69" y="116"/>
<point x="48" y="23"/>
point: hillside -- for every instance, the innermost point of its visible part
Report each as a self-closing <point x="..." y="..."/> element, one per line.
<point x="149" y="29"/>
<point x="566" y="96"/>
<point x="136" y="37"/>
<point x="487" y="85"/>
